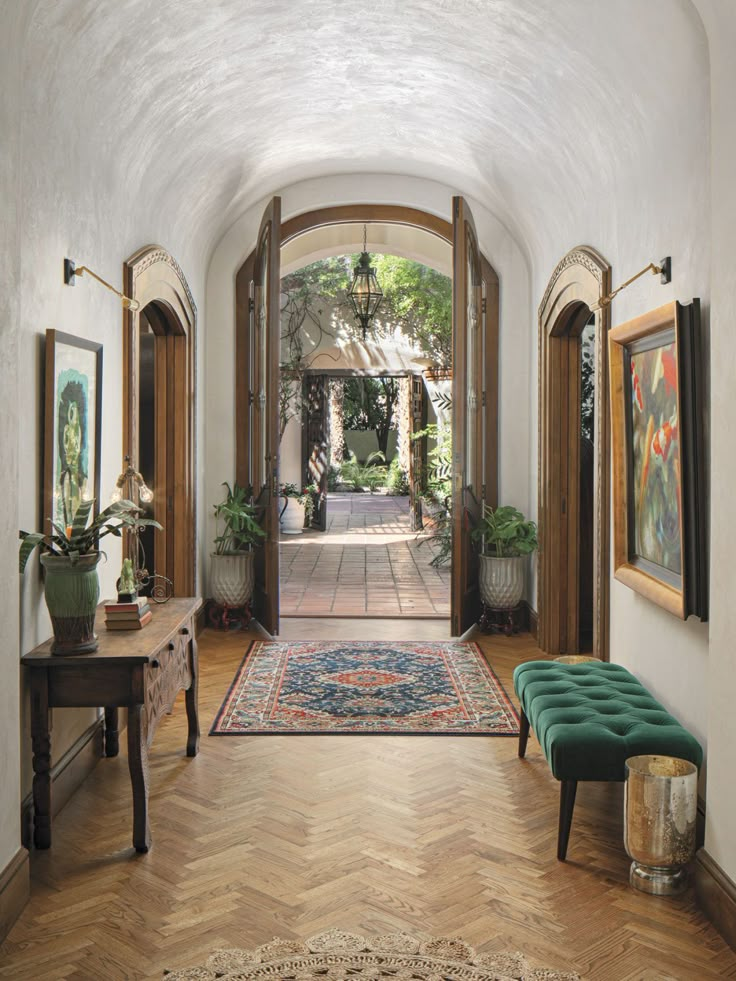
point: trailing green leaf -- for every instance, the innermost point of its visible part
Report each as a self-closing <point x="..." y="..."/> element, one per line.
<point x="505" y="532"/>
<point x="242" y="529"/>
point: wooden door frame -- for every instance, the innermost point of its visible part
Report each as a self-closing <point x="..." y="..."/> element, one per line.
<point x="349" y="214"/>
<point x="153" y="278"/>
<point x="581" y="278"/>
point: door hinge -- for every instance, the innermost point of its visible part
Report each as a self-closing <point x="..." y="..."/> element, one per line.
<point x="483" y="305"/>
<point x="564" y="505"/>
<point x="483" y="399"/>
<point x="251" y="304"/>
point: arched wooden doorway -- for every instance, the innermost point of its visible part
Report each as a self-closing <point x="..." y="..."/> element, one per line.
<point x="579" y="281"/>
<point x="159" y="359"/>
<point x="255" y="310"/>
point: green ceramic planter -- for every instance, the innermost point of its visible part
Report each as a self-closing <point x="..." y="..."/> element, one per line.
<point x="72" y="594"/>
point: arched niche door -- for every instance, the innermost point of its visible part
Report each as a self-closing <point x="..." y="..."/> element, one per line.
<point x="574" y="477"/>
<point x="159" y="358"/>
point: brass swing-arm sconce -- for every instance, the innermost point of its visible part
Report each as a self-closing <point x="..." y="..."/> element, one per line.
<point x="663" y="269"/>
<point x="71" y="271"/>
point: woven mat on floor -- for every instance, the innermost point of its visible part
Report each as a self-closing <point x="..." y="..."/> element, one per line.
<point x="394" y="957"/>
<point x="366" y="687"/>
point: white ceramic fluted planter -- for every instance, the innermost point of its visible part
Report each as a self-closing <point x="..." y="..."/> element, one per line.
<point x="502" y="581"/>
<point x="232" y="578"/>
<point x="292" y="520"/>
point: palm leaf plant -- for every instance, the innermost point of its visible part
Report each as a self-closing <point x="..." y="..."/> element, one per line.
<point x="242" y="530"/>
<point x="232" y="571"/>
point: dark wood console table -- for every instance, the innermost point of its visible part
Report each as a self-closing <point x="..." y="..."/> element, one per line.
<point x="142" y="670"/>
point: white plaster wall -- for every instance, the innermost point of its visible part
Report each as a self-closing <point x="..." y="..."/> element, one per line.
<point x="496" y="242"/>
<point x="11" y="44"/>
<point x="719" y="17"/>
<point x="643" y="206"/>
<point x="76" y="202"/>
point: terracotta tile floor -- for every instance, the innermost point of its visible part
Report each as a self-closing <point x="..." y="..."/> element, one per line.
<point x="367" y="563"/>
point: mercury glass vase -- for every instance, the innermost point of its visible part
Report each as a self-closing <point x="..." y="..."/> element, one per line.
<point x="660" y="809"/>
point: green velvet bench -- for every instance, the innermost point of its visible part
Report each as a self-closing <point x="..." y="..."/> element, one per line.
<point x="589" y="719"/>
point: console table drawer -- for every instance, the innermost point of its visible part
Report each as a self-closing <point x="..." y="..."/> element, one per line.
<point x="93" y="685"/>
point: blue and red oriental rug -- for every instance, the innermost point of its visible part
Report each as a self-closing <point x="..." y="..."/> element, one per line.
<point x="365" y="687"/>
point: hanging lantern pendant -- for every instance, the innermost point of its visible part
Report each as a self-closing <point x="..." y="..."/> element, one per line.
<point x="365" y="293"/>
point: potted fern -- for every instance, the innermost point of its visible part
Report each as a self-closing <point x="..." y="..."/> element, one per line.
<point x="506" y="540"/>
<point x="232" y="570"/>
<point x="70" y="557"/>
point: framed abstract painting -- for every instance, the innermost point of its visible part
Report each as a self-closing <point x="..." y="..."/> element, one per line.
<point x="72" y="427"/>
<point x="658" y="458"/>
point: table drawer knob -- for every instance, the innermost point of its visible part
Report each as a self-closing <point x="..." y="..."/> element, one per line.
<point x="172" y="645"/>
<point x="155" y="663"/>
<point x="185" y="631"/>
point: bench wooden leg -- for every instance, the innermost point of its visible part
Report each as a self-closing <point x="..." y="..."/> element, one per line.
<point x="523" y="734"/>
<point x="568" y="789"/>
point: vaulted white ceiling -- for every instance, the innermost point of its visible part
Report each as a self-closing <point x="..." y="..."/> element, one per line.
<point x="202" y="107"/>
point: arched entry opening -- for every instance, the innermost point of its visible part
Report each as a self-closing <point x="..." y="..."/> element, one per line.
<point x="475" y="305"/>
<point x="574" y="477"/>
<point x="159" y="358"/>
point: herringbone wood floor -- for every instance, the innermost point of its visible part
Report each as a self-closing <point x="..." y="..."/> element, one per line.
<point x="264" y="836"/>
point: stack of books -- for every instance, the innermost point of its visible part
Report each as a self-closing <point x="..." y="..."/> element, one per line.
<point x="127" y="616"/>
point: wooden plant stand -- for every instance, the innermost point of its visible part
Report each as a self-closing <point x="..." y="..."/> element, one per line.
<point x="494" y="621"/>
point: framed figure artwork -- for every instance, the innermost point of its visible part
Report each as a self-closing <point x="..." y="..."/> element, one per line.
<point x="72" y="428"/>
<point x="658" y="458"/>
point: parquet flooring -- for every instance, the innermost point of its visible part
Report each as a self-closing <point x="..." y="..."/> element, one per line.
<point x="263" y="836"/>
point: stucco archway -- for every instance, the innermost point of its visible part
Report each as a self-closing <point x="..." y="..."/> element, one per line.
<point x="580" y="279"/>
<point x="153" y="278"/>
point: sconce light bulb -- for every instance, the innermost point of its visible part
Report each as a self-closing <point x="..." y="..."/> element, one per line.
<point x="146" y="494"/>
<point x="116" y="496"/>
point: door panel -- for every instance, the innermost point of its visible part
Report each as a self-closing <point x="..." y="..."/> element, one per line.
<point x="314" y="443"/>
<point x="417" y="451"/>
<point x="467" y="420"/>
<point x="264" y="444"/>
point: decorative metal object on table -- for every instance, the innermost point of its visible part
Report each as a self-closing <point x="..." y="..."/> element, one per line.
<point x="575" y="659"/>
<point x="495" y="620"/>
<point x="660" y="810"/>
<point x="128" y="483"/>
<point x="223" y="617"/>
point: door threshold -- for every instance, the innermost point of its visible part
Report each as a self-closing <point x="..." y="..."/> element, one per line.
<point x="365" y="616"/>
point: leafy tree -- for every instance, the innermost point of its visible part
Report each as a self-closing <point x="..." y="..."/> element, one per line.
<point x="419" y="299"/>
<point x="416" y="299"/>
<point x="370" y="403"/>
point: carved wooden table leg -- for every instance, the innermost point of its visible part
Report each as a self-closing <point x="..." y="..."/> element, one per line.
<point x="41" y="739"/>
<point x="138" y="765"/>
<point x="112" y="743"/>
<point x="191" y="696"/>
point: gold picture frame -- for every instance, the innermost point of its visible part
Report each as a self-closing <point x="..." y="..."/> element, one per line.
<point x="658" y="458"/>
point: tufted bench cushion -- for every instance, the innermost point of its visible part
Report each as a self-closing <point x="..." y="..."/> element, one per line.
<point x="589" y="719"/>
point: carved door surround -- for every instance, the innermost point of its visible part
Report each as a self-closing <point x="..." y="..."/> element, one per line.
<point x="580" y="279"/>
<point x="153" y="278"/>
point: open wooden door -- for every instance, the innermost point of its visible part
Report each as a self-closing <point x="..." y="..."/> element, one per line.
<point x="315" y="457"/>
<point x="417" y="450"/>
<point x="264" y="446"/>
<point x="467" y="418"/>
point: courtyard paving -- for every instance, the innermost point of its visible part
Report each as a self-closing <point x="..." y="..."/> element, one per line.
<point x="367" y="563"/>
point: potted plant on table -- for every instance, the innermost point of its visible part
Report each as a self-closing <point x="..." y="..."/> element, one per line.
<point x="507" y="539"/>
<point x="69" y="558"/>
<point x="232" y="571"/>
